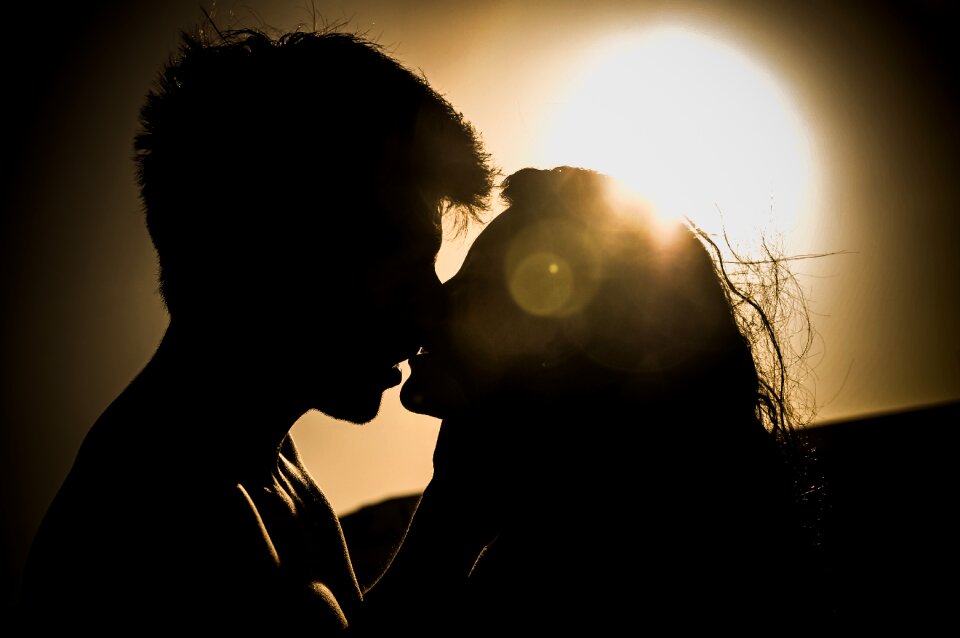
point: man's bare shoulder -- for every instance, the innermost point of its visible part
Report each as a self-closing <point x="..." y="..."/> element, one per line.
<point x="143" y="524"/>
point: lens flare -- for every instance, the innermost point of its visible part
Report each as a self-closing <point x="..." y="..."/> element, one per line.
<point x="542" y="284"/>
<point x="552" y="269"/>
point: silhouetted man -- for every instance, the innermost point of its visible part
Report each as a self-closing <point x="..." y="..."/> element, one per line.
<point x="293" y="188"/>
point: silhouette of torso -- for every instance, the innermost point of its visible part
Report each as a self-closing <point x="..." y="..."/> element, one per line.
<point x="677" y="523"/>
<point x="149" y="530"/>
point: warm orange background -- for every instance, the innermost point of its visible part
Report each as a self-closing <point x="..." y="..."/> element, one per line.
<point x="81" y="314"/>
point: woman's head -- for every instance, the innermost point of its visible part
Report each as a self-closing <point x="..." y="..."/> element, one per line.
<point x="592" y="354"/>
<point x="577" y="294"/>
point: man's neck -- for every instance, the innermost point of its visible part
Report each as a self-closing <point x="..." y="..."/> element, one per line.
<point x="218" y="400"/>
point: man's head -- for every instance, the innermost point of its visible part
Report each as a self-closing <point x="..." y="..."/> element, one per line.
<point x="293" y="188"/>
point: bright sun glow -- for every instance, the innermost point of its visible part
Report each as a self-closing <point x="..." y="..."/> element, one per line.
<point x="692" y="124"/>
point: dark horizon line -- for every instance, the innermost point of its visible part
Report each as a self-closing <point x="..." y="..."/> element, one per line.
<point x="924" y="410"/>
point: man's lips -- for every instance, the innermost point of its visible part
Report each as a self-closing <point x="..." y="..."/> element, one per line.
<point x="393" y="376"/>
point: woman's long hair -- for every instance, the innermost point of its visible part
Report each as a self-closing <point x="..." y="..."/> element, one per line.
<point x="688" y="320"/>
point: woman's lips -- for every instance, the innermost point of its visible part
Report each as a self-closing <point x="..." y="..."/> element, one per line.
<point x="432" y="387"/>
<point x="418" y="358"/>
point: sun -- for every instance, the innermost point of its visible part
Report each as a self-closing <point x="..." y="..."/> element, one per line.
<point x="691" y="123"/>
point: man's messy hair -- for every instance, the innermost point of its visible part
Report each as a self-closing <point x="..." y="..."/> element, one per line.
<point x="238" y="117"/>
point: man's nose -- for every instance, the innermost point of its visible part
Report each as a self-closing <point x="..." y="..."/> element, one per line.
<point x="429" y="310"/>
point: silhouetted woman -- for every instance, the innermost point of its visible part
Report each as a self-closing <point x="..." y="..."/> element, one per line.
<point x="610" y="458"/>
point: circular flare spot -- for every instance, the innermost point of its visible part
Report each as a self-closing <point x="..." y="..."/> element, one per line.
<point x="542" y="284"/>
<point x="552" y="268"/>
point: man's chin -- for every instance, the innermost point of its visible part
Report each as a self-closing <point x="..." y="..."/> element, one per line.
<point x="351" y="414"/>
<point x="355" y="409"/>
<point x="357" y="397"/>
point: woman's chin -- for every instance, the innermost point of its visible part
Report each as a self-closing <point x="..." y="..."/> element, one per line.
<point x="436" y="395"/>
